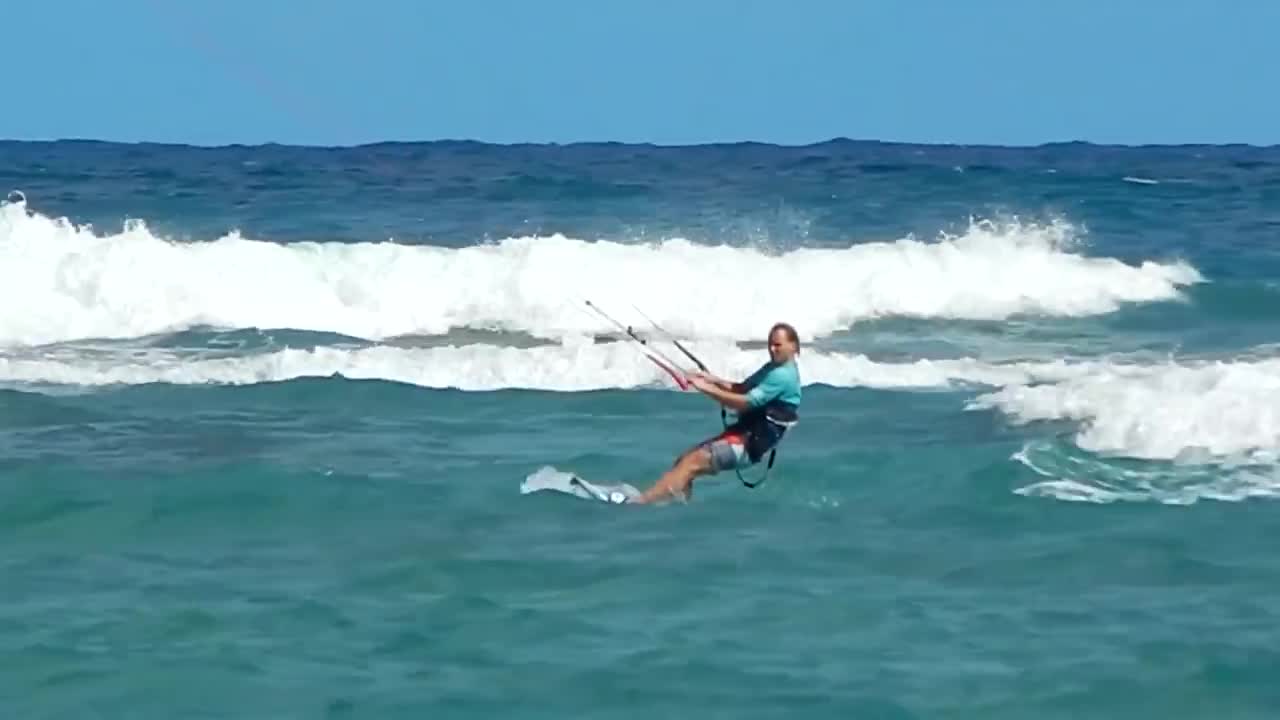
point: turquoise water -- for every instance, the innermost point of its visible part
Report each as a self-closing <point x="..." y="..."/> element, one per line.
<point x="257" y="461"/>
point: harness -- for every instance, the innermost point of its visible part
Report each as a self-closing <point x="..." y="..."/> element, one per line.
<point x="763" y="428"/>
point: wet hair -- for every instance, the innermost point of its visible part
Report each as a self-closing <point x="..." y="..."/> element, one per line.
<point x="790" y="332"/>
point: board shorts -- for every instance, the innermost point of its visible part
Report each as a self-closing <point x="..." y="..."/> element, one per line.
<point x="728" y="452"/>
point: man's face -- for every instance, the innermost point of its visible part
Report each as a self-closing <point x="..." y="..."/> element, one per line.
<point x="780" y="348"/>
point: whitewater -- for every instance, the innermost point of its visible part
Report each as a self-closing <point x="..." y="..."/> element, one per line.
<point x="77" y="283"/>
<point x="394" y="312"/>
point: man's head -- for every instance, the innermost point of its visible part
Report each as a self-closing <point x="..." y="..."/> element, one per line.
<point x="783" y="343"/>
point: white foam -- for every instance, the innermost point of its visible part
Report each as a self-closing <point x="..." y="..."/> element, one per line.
<point x="71" y="283"/>
<point x="569" y="367"/>
<point x="1094" y="480"/>
<point x="1235" y="487"/>
<point x="1191" y="412"/>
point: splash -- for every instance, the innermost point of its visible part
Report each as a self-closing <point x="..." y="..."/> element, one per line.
<point x="1170" y="411"/>
<point x="74" y="283"/>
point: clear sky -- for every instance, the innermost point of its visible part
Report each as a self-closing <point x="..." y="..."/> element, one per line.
<point x="1011" y="72"/>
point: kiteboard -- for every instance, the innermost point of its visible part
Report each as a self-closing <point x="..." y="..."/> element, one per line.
<point x="549" y="479"/>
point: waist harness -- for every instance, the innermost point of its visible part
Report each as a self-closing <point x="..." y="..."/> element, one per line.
<point x="763" y="428"/>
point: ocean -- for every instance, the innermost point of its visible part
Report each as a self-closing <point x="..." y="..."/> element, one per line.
<point x="266" y="412"/>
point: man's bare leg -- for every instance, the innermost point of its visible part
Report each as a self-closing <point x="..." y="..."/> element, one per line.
<point x="678" y="481"/>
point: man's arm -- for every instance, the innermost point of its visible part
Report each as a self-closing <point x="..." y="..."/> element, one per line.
<point x="730" y="399"/>
<point x="738" y="388"/>
<point x="729" y="385"/>
<point x="756" y="391"/>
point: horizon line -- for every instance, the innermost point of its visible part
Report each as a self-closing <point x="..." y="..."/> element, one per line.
<point x="836" y="140"/>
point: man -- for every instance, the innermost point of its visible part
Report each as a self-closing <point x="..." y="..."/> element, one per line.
<point x="766" y="403"/>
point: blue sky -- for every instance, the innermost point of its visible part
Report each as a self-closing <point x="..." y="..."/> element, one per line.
<point x="1010" y="72"/>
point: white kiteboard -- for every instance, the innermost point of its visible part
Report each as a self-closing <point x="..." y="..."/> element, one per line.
<point x="551" y="479"/>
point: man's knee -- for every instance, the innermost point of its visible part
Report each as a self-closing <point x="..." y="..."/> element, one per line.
<point x="698" y="459"/>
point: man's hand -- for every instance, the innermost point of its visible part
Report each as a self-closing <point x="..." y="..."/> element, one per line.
<point x="700" y="381"/>
<point x="707" y="377"/>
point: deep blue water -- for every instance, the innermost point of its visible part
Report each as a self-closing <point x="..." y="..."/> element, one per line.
<point x="265" y="413"/>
